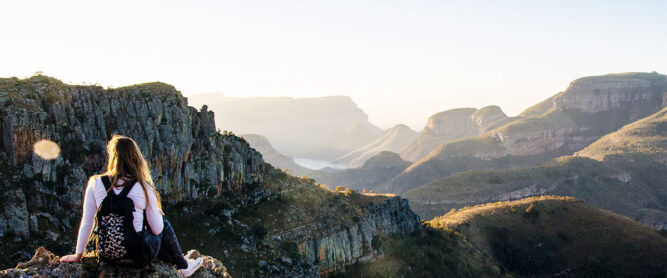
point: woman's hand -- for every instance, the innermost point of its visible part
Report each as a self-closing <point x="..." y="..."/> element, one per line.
<point x="161" y="212"/>
<point x="71" y="258"/>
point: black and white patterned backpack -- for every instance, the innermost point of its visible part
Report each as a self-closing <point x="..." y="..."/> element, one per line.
<point x="116" y="240"/>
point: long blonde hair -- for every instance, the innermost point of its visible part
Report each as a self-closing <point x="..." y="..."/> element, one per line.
<point x="126" y="160"/>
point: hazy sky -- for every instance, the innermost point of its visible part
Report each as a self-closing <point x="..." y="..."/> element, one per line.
<point x="400" y="61"/>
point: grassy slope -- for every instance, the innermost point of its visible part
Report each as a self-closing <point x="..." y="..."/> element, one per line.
<point x="460" y="155"/>
<point x="549" y="236"/>
<point x="630" y="180"/>
<point x="648" y="136"/>
<point x="586" y="179"/>
<point x="429" y="252"/>
<point x="302" y="203"/>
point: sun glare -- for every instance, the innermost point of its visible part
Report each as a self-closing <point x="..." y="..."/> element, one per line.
<point x="46" y="149"/>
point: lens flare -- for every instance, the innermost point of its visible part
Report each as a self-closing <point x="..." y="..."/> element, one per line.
<point x="46" y="149"/>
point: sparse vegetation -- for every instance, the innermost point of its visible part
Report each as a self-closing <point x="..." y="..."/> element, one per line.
<point x="548" y="235"/>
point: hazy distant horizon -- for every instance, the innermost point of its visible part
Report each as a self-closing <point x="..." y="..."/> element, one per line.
<point x="400" y="61"/>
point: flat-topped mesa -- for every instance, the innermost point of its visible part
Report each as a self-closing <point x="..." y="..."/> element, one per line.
<point x="45" y="264"/>
<point x="561" y="125"/>
<point x="440" y="127"/>
<point x="451" y="121"/>
<point x="452" y="125"/>
<point x="602" y="93"/>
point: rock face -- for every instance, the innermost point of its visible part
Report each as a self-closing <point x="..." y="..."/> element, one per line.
<point x="45" y="264"/>
<point x="487" y="116"/>
<point x="194" y="167"/>
<point x="297" y="127"/>
<point x="612" y="92"/>
<point x="628" y="176"/>
<point x="393" y="140"/>
<point x="188" y="158"/>
<point x="590" y="108"/>
<point x="451" y="125"/>
<point x="347" y="245"/>
<point x="271" y="155"/>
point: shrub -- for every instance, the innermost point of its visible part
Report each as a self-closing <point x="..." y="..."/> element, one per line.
<point x="376" y="242"/>
<point x="259" y="230"/>
<point x="291" y="249"/>
<point x="340" y="188"/>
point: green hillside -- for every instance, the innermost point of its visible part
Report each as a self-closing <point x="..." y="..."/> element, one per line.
<point x="590" y="108"/>
<point x="630" y="179"/>
<point x="647" y="136"/>
<point x="559" y="237"/>
<point x="601" y="185"/>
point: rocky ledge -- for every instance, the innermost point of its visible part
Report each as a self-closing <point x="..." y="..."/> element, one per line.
<point x="46" y="264"/>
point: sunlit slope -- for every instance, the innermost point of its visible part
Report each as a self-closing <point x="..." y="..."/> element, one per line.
<point x="560" y="237"/>
<point x="647" y="136"/>
<point x="601" y="185"/>
<point x="590" y="108"/>
<point x="631" y="179"/>
<point x="392" y="140"/>
<point x="451" y="125"/>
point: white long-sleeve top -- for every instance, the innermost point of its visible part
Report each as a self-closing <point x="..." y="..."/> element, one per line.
<point x="95" y="194"/>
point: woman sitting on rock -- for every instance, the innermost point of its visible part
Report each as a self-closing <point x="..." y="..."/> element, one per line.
<point x="125" y="206"/>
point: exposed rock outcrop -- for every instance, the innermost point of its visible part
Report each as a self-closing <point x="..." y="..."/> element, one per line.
<point x="344" y="246"/>
<point x="612" y="92"/>
<point x="194" y="167"/>
<point x="188" y="158"/>
<point x="628" y="176"/>
<point x="45" y="264"/>
<point x="590" y="108"/>
<point x="487" y="116"/>
<point x="441" y="127"/>
<point x="451" y="125"/>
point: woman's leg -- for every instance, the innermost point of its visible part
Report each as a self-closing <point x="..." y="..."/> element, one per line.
<point x="170" y="250"/>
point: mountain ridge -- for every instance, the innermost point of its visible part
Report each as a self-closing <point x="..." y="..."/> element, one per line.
<point x="392" y="139"/>
<point x="241" y="204"/>
<point x="576" y="118"/>
<point x="623" y="171"/>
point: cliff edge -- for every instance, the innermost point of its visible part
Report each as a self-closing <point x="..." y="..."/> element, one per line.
<point x="46" y="264"/>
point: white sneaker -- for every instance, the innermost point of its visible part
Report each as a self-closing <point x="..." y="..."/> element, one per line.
<point x="193" y="265"/>
<point x="189" y="254"/>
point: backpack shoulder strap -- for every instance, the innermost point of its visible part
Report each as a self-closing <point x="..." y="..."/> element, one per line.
<point x="107" y="182"/>
<point x="126" y="189"/>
